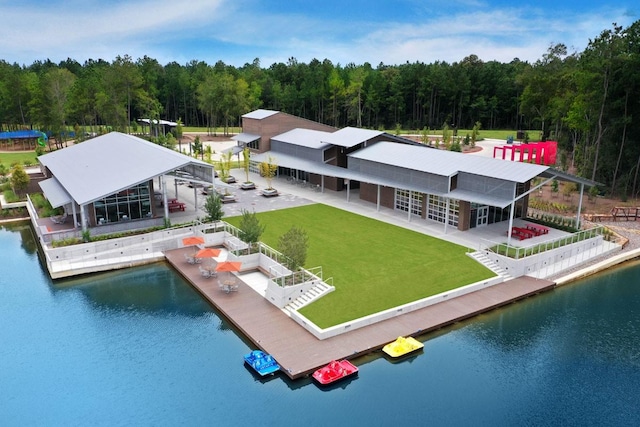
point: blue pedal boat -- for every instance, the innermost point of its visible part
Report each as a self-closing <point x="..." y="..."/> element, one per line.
<point x="261" y="362"/>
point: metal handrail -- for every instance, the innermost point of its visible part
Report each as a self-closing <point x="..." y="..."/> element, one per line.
<point x="516" y="252"/>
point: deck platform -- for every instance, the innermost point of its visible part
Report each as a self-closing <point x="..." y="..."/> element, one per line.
<point x="299" y="353"/>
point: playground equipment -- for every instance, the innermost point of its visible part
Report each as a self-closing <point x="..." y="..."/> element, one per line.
<point x="42" y="140"/>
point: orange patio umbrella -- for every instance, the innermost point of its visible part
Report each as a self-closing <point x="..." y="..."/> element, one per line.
<point x="229" y="266"/>
<point x="207" y="253"/>
<point x="193" y="240"/>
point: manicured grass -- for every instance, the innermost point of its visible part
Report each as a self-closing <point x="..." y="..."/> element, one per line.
<point x="8" y="159"/>
<point x="375" y="265"/>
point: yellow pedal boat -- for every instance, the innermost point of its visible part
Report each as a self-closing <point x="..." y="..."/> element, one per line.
<point x="402" y="346"/>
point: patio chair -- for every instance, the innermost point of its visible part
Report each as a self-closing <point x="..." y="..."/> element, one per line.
<point x="59" y="219"/>
<point x="190" y="259"/>
<point x="204" y="272"/>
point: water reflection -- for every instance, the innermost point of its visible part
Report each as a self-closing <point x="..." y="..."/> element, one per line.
<point x="155" y="289"/>
<point x="27" y="242"/>
<point x="594" y="323"/>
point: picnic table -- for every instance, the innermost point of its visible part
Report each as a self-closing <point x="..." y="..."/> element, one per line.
<point x="522" y="233"/>
<point x="537" y="229"/>
<point x="174" y="205"/>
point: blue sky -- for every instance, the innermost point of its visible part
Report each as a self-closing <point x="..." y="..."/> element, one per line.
<point x="238" y="31"/>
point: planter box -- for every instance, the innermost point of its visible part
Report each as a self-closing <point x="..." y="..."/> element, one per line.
<point x="270" y="192"/>
<point x="248" y="186"/>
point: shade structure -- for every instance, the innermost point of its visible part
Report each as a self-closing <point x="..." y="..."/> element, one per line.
<point x="207" y="253"/>
<point x="193" y="240"/>
<point x="229" y="266"/>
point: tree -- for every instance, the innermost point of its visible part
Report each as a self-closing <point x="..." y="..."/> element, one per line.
<point x="268" y="170"/>
<point x="19" y="179"/>
<point x="475" y="132"/>
<point x="293" y="245"/>
<point x="568" y="189"/>
<point x="213" y="207"/>
<point x="197" y="146"/>
<point x="246" y="161"/>
<point x="56" y="87"/>
<point x="250" y="227"/>
<point x="225" y="166"/>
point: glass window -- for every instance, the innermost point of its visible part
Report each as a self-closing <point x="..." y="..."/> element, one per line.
<point x="406" y="200"/>
<point x="437" y="209"/>
<point x="132" y="203"/>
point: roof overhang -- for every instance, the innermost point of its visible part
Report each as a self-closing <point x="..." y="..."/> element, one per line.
<point x="55" y="193"/>
<point x="564" y="176"/>
<point x="292" y="162"/>
<point x="245" y="138"/>
<point x="114" y="162"/>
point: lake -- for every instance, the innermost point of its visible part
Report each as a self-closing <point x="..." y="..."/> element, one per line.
<point x="141" y="347"/>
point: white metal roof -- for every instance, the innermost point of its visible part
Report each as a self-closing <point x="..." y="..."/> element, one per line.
<point x="56" y="194"/>
<point x="349" y="137"/>
<point x="260" y="114"/>
<point x="110" y="163"/>
<point x="310" y="166"/>
<point x="304" y="137"/>
<point x="245" y="137"/>
<point x="446" y="163"/>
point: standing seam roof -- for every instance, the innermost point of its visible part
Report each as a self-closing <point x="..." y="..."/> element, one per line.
<point x="110" y="163"/>
<point x="446" y="163"/>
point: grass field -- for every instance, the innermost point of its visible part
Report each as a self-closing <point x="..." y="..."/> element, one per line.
<point x="375" y="265"/>
<point x="9" y="159"/>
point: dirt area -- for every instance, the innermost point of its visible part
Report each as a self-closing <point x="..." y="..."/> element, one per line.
<point x="558" y="203"/>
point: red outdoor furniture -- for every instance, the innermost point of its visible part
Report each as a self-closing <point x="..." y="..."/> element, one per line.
<point x="174" y="205"/>
<point x="522" y="233"/>
<point x="539" y="230"/>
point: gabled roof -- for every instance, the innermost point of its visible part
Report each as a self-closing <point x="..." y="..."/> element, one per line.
<point x="446" y="163"/>
<point x="110" y="163"/>
<point x="304" y="137"/>
<point x="350" y="137"/>
<point x="260" y="114"/>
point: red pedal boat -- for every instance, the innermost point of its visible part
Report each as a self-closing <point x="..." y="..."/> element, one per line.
<point x="335" y="371"/>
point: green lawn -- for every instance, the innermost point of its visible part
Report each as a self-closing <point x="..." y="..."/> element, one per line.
<point x="8" y="159"/>
<point x="375" y="266"/>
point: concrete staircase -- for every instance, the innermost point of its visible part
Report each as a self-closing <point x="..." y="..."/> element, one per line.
<point x="484" y="260"/>
<point x="318" y="291"/>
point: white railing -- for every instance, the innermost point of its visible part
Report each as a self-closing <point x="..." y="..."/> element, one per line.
<point x="551" y="257"/>
<point x="517" y="252"/>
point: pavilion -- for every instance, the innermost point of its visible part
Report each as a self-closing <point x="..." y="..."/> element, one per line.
<point x="110" y="179"/>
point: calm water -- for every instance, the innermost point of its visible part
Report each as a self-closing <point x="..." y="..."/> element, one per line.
<point x="140" y="347"/>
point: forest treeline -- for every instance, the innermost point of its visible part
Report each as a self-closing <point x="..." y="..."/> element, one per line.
<point x="589" y="101"/>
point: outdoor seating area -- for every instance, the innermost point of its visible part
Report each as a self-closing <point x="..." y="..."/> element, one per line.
<point x="207" y="271"/>
<point x="192" y="259"/>
<point x="228" y="286"/>
<point x="174" y="205"/>
<point x="59" y="219"/>
<point x="528" y="231"/>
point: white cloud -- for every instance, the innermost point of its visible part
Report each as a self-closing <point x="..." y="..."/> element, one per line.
<point x="237" y="31"/>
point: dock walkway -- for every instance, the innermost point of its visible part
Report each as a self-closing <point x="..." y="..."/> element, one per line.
<point x="299" y="353"/>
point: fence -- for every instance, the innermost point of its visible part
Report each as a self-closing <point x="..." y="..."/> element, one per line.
<point x="516" y="252"/>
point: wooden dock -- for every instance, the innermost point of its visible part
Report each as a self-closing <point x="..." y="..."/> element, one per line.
<point x="299" y="353"/>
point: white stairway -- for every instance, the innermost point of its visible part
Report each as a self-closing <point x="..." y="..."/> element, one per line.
<point x="484" y="260"/>
<point x="317" y="291"/>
